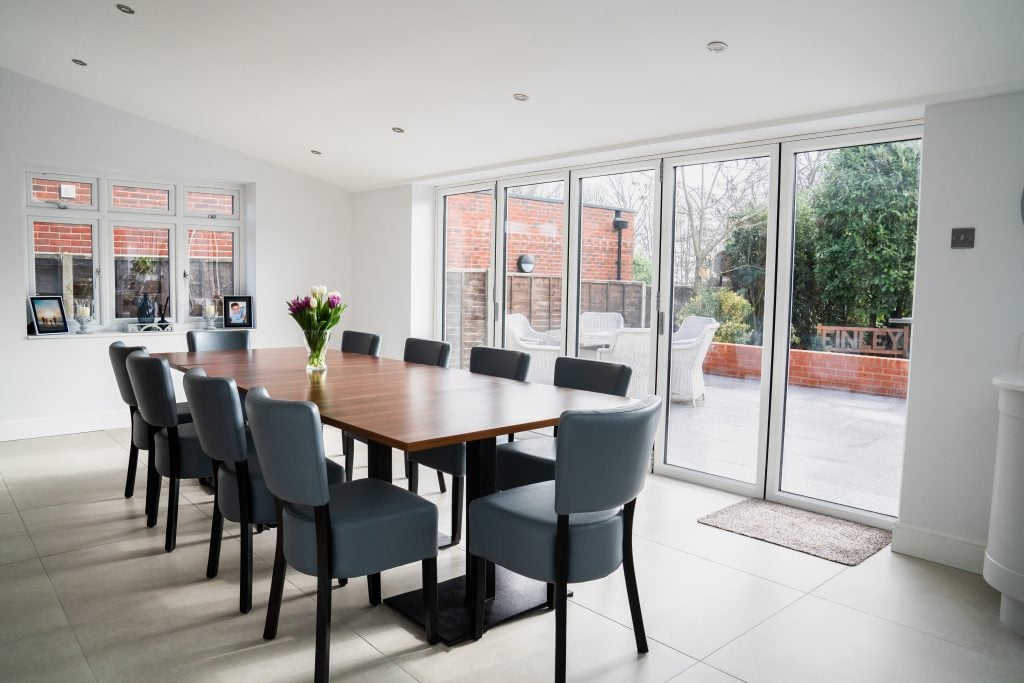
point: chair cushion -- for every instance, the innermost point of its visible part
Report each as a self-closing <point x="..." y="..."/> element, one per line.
<point x="526" y="461"/>
<point x="374" y="526"/>
<point x="448" y="459"/>
<point x="263" y="508"/>
<point x="517" y="529"/>
<point x="140" y="430"/>
<point x="193" y="461"/>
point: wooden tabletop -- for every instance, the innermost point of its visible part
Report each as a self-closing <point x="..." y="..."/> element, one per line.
<point x="407" y="406"/>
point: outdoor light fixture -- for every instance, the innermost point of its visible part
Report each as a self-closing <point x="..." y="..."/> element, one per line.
<point x="618" y="225"/>
<point x="397" y="129"/>
<point x="520" y="97"/>
<point x="316" y="152"/>
<point x="525" y="263"/>
<point x="125" y="8"/>
<point x="79" y="62"/>
<point x="717" y="46"/>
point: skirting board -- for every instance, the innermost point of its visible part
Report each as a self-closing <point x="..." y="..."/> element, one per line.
<point x="936" y="546"/>
<point x="68" y="424"/>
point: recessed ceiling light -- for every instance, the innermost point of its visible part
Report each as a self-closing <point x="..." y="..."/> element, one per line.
<point x="79" y="62"/>
<point x="717" y="46"/>
<point x="397" y="129"/>
<point x="316" y="152"/>
<point x="125" y="8"/>
<point x="520" y="97"/>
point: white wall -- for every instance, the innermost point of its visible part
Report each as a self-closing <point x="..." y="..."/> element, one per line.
<point x="393" y="267"/>
<point x="297" y="233"/>
<point x="968" y="319"/>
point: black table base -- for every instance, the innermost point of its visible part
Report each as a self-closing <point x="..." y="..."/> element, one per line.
<point x="514" y="595"/>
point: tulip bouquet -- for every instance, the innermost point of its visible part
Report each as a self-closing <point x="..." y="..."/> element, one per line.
<point x="317" y="314"/>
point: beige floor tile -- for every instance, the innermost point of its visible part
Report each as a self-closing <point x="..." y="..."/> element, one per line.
<point x="30" y="606"/>
<point x="47" y="657"/>
<point x="123" y="436"/>
<point x="15" y="543"/>
<point x="702" y="673"/>
<point x="948" y="603"/>
<point x="817" y="640"/>
<point x="690" y="604"/>
<point x="14" y="453"/>
<point x="6" y="502"/>
<point x="523" y="650"/>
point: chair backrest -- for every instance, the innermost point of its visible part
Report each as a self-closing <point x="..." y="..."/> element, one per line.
<point x="427" y="352"/>
<point x="692" y="327"/>
<point x="217" y="414"/>
<point x="119" y="353"/>
<point x="289" y="446"/>
<point x="218" y="340"/>
<point x="632" y="346"/>
<point x="591" y="321"/>
<point x="154" y="390"/>
<point x="360" y="342"/>
<point x="592" y="375"/>
<point x="487" y="360"/>
<point x="603" y="456"/>
<point x="519" y="328"/>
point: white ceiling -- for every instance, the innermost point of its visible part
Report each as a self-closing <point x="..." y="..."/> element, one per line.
<point x="276" y="79"/>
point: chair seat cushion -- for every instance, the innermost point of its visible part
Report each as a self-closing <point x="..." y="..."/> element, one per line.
<point x="140" y="430"/>
<point x="525" y="461"/>
<point x="448" y="459"/>
<point x="517" y="528"/>
<point x="263" y="508"/>
<point x="374" y="526"/>
<point x="193" y="462"/>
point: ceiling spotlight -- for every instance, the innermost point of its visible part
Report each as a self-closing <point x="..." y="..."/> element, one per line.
<point x="79" y="62"/>
<point x="717" y="46"/>
<point x="125" y="8"/>
<point x="316" y="152"/>
<point x="520" y="97"/>
<point x="397" y="129"/>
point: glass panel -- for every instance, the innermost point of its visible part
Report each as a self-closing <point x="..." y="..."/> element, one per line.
<point x="720" y="232"/>
<point x="215" y="203"/>
<point x="211" y="269"/>
<point x="62" y="255"/>
<point x="849" y="359"/>
<point x="146" y="198"/>
<point x="616" y="253"/>
<point x="56" y="191"/>
<point x="142" y="270"/>
<point x="534" y="262"/>
<point x="469" y="254"/>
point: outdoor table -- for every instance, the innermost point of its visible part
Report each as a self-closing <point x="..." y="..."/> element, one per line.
<point x="413" y="407"/>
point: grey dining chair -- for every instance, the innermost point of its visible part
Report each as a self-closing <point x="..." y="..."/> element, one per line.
<point x="175" y="449"/>
<point x="451" y="460"/>
<point x="357" y="528"/>
<point x="218" y="340"/>
<point x="578" y="527"/>
<point x="240" y="492"/>
<point x="529" y="461"/>
<point x="367" y="344"/>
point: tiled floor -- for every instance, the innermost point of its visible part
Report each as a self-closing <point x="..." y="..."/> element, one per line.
<point x="87" y="593"/>
<point x="851" y="453"/>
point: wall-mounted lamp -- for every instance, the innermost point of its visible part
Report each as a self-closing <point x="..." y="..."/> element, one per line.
<point x="525" y="263"/>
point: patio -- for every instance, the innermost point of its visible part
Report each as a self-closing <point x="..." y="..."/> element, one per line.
<point x="840" y="446"/>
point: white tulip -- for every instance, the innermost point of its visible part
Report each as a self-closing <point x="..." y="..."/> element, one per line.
<point x="312" y="291"/>
<point x="321" y="292"/>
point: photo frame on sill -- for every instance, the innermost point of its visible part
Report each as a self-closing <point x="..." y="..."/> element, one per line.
<point x="238" y="312"/>
<point x="47" y="314"/>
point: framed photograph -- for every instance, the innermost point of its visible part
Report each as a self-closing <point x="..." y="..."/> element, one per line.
<point x="238" y="311"/>
<point x="48" y="314"/>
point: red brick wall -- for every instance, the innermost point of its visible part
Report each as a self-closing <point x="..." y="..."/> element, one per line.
<point x="207" y="202"/>
<point x="44" y="190"/>
<point x="62" y="238"/>
<point x="140" y="242"/>
<point x="535" y="227"/>
<point x="125" y="197"/>
<point x="849" y="372"/>
<point x="210" y="244"/>
<point x="69" y="238"/>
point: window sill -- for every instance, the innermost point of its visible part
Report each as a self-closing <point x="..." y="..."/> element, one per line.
<point x="178" y="331"/>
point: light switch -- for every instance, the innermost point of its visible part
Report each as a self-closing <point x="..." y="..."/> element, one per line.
<point x="963" y="238"/>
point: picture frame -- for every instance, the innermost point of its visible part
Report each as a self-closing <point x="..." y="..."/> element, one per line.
<point x="238" y="312"/>
<point x="47" y="313"/>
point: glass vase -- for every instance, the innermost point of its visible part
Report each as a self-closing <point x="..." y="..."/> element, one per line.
<point x="316" y="349"/>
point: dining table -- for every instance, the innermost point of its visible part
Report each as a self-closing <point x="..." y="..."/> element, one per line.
<point x="410" y="407"/>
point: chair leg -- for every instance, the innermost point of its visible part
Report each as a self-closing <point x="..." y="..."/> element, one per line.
<point x="478" y="578"/>
<point x="322" y="661"/>
<point x="430" y="598"/>
<point x="440" y="482"/>
<point x="373" y="584"/>
<point x="216" y="531"/>
<point x="245" y="568"/>
<point x="561" y="595"/>
<point x="551" y="596"/>
<point x="348" y="448"/>
<point x="171" y="538"/>
<point x="153" y="482"/>
<point x="276" y="581"/>
<point x="342" y="581"/>
<point x="458" y="493"/>
<point x="412" y="472"/>
<point x="133" y="464"/>
<point x="629" y="571"/>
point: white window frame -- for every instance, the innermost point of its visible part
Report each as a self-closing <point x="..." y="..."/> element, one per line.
<point x="235" y="204"/>
<point x="210" y="225"/>
<point x="97" y="255"/>
<point x="171" y="199"/>
<point x="110" y="258"/>
<point x="60" y="177"/>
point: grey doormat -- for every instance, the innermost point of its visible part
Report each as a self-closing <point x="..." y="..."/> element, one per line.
<point x="833" y="539"/>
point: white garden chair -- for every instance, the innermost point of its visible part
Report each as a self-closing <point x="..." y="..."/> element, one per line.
<point x="543" y="348"/>
<point x="632" y="346"/>
<point x="690" y="345"/>
<point x="599" y="327"/>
